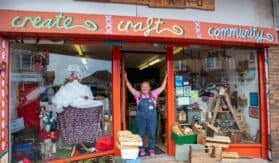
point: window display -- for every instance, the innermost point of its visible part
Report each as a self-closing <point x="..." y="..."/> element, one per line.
<point x="63" y="98"/>
<point x="218" y="89"/>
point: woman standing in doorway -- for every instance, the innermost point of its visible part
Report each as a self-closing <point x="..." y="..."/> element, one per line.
<point x="146" y="116"/>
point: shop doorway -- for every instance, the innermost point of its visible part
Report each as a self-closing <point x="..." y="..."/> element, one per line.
<point x="144" y="64"/>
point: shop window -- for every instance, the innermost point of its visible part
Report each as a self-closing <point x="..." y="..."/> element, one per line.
<point x="219" y="88"/>
<point x="60" y="101"/>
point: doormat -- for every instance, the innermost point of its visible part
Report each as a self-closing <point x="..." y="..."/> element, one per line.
<point x="158" y="151"/>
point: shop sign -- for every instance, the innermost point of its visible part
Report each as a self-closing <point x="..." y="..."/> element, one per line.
<point x="87" y="24"/>
<point x="60" y="22"/>
<point x="149" y="26"/>
<point x="252" y="33"/>
<point x="196" y="4"/>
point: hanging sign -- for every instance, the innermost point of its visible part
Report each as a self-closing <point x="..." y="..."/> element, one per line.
<point x="124" y="27"/>
<point x="196" y="4"/>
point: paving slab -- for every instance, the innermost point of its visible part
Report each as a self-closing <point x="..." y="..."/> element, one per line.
<point x="167" y="159"/>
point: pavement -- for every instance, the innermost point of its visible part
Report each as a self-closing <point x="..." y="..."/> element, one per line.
<point x="166" y="159"/>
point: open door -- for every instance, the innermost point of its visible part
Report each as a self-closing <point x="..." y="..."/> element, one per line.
<point x="144" y="64"/>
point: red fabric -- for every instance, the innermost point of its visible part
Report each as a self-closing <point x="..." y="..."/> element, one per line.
<point x="26" y="160"/>
<point x="30" y="114"/>
<point x="30" y="111"/>
<point x="48" y="135"/>
<point x="104" y="143"/>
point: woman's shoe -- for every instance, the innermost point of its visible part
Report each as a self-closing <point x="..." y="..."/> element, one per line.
<point x="152" y="153"/>
<point x="142" y="153"/>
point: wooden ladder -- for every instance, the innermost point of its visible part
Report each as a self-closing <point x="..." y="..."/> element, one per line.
<point x="239" y="122"/>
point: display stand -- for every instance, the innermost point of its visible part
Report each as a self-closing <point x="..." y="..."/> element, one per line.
<point x="222" y="97"/>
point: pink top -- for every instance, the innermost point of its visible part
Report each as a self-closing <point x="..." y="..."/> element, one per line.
<point x="153" y="93"/>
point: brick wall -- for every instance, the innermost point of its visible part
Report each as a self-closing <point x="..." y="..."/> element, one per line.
<point x="274" y="99"/>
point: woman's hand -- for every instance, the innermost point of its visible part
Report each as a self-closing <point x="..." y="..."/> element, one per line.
<point x="166" y="75"/>
<point x="163" y="85"/>
<point x="125" y="76"/>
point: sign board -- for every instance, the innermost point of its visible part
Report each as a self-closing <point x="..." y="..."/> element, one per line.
<point x="125" y="28"/>
<point x="196" y="4"/>
<point x="254" y="112"/>
<point x="17" y="125"/>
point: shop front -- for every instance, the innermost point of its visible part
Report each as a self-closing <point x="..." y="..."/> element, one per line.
<point x="45" y="51"/>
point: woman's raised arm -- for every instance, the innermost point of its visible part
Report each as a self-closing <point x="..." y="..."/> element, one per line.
<point x="163" y="85"/>
<point x="132" y="90"/>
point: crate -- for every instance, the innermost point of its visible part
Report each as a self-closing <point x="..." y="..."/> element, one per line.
<point x="197" y="156"/>
<point x="182" y="151"/>
<point x="129" y="154"/>
<point x="185" y="139"/>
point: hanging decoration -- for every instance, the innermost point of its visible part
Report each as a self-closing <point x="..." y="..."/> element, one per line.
<point x="4" y="49"/>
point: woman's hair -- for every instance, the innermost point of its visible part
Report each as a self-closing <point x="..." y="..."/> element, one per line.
<point x="145" y="82"/>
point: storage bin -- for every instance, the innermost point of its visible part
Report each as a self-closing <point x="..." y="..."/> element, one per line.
<point x="129" y="153"/>
<point x="26" y="149"/>
<point x="187" y="139"/>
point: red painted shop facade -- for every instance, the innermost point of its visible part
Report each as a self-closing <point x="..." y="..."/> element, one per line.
<point x="121" y="31"/>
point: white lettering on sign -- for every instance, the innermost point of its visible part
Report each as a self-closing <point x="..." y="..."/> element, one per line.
<point x="251" y="33"/>
<point x="108" y="20"/>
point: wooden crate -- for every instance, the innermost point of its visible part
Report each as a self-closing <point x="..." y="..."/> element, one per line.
<point x="182" y="151"/>
<point x="200" y="157"/>
<point x="201" y="137"/>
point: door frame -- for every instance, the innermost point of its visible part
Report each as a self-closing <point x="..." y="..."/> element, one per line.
<point x="170" y="100"/>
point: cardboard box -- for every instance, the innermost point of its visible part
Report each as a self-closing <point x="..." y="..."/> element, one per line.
<point x="17" y="125"/>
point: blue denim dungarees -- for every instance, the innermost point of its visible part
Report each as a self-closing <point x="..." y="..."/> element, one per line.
<point x="146" y="119"/>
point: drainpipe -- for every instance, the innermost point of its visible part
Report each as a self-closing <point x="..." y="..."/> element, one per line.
<point x="275" y="13"/>
<point x="269" y="143"/>
<point x="275" y="7"/>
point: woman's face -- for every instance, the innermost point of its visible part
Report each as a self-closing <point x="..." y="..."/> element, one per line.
<point x="145" y="88"/>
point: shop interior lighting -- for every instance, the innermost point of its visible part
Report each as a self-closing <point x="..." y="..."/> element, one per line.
<point x="81" y="53"/>
<point x="154" y="62"/>
<point x="177" y="50"/>
<point x="79" y="50"/>
<point x="143" y="67"/>
<point x="150" y="63"/>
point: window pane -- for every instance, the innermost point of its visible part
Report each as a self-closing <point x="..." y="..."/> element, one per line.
<point x="62" y="95"/>
<point x="218" y="87"/>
